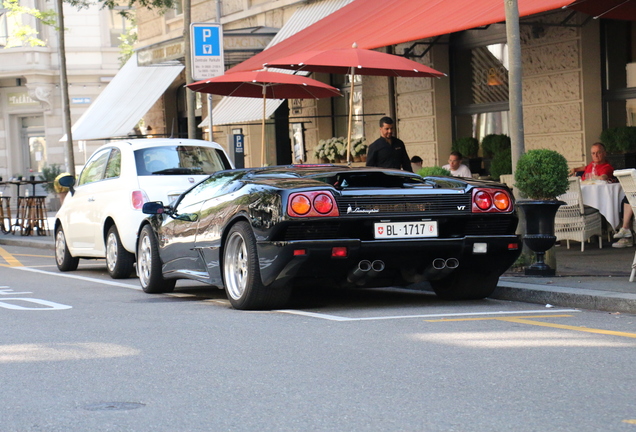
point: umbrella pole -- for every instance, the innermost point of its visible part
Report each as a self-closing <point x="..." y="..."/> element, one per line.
<point x="353" y="72"/>
<point x="263" y="129"/>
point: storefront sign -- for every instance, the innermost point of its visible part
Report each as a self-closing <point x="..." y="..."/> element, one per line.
<point x="80" y="100"/>
<point x="246" y="42"/>
<point x="20" y="99"/>
<point x="162" y="52"/>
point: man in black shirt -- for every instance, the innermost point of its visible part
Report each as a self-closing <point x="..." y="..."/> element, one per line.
<point x="388" y="151"/>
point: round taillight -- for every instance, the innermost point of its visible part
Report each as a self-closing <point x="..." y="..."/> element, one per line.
<point x="483" y="200"/>
<point x="502" y="201"/>
<point x="300" y="204"/>
<point x="323" y="203"/>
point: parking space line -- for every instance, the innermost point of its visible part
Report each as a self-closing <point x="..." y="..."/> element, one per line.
<point x="10" y="259"/>
<point x="84" y="278"/>
<point x="485" y="319"/>
<point x="341" y="318"/>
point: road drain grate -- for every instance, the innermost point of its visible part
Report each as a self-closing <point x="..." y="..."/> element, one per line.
<point x="113" y="406"/>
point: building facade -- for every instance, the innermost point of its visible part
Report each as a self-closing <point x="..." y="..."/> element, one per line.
<point x="31" y="114"/>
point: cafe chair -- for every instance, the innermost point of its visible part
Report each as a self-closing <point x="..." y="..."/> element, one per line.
<point x="627" y="179"/>
<point x="577" y="222"/>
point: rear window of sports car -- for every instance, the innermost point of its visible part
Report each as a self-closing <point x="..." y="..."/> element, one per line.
<point x="174" y="160"/>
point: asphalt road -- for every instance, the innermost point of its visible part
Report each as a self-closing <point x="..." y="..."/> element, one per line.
<point x="81" y="352"/>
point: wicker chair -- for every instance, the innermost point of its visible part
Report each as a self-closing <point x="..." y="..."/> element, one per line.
<point x="577" y="222"/>
<point x="627" y="178"/>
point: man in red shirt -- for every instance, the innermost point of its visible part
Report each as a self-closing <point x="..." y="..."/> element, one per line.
<point x="599" y="167"/>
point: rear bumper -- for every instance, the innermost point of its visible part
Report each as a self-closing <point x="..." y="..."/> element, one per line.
<point x="405" y="261"/>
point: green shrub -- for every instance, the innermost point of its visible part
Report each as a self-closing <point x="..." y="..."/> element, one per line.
<point x="619" y="139"/>
<point x="468" y="147"/>
<point x="542" y="174"/>
<point x="493" y="144"/>
<point x="434" y="171"/>
<point x="49" y="173"/>
<point x="501" y="164"/>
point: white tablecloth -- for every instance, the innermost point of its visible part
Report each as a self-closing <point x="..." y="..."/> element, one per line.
<point x="606" y="198"/>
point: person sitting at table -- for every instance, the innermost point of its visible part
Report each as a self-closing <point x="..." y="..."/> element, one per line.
<point x="455" y="166"/>
<point x="599" y="168"/>
<point x="624" y="235"/>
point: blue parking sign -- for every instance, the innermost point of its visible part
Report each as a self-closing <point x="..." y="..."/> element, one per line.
<point x="207" y="50"/>
<point x="207" y="41"/>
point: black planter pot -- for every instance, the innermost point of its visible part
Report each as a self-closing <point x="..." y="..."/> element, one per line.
<point x="539" y="235"/>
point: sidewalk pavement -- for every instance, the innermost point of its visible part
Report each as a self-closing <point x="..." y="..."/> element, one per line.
<point x="596" y="279"/>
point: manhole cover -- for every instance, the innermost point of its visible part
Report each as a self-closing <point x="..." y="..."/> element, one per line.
<point x="113" y="406"/>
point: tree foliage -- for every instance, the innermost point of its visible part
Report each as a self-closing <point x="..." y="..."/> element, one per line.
<point x="24" y="33"/>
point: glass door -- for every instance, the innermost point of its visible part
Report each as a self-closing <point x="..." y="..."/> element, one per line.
<point x="33" y="144"/>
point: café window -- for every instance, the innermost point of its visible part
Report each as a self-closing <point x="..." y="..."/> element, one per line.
<point x="480" y="83"/>
<point x="619" y="92"/>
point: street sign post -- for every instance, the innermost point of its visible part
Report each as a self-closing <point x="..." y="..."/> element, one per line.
<point x="207" y="56"/>
<point x="207" y="50"/>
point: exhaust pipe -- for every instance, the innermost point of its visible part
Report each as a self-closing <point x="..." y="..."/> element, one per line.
<point x="377" y="266"/>
<point x="440" y="268"/>
<point x="360" y="271"/>
<point x="452" y="263"/>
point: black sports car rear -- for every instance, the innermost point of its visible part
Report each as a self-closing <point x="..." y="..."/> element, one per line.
<point x="259" y="232"/>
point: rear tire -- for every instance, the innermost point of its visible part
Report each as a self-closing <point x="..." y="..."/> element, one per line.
<point x="63" y="258"/>
<point x="466" y="285"/>
<point x="119" y="262"/>
<point x="149" y="264"/>
<point x="242" y="275"/>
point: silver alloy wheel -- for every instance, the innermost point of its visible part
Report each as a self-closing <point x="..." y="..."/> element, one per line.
<point x="111" y="251"/>
<point x="144" y="260"/>
<point x="60" y="247"/>
<point x="235" y="266"/>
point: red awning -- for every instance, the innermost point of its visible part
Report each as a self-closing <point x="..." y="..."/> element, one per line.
<point x="378" y="23"/>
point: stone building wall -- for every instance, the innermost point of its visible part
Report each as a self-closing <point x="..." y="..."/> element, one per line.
<point x="553" y="90"/>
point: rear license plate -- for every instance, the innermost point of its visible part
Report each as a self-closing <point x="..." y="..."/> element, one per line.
<point x="422" y="229"/>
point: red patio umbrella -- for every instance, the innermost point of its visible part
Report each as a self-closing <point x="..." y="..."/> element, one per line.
<point x="609" y="9"/>
<point x="354" y="61"/>
<point x="265" y="84"/>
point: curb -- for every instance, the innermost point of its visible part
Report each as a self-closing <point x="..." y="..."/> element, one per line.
<point x="566" y="297"/>
<point x="28" y="242"/>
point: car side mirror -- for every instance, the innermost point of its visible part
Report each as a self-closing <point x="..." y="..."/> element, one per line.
<point x="155" y="207"/>
<point x="68" y="181"/>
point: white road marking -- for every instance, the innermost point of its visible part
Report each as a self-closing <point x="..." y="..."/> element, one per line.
<point x="341" y="318"/>
<point x="84" y="278"/>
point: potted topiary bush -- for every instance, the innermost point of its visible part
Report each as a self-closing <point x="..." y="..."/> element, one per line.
<point x="469" y="148"/>
<point x="501" y="164"/>
<point x="620" y="143"/>
<point x="494" y="147"/>
<point x="541" y="176"/>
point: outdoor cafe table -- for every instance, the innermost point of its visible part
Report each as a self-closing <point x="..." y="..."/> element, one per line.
<point x="606" y="197"/>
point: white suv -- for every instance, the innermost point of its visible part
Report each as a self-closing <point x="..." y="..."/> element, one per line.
<point x="101" y="215"/>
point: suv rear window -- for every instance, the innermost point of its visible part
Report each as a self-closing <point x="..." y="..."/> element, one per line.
<point x="167" y="160"/>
